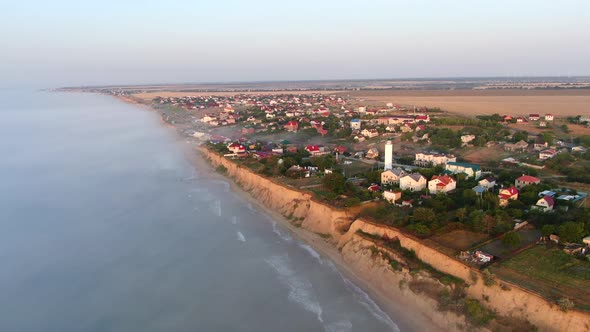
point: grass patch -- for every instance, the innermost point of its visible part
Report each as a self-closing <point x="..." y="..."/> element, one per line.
<point x="550" y="272"/>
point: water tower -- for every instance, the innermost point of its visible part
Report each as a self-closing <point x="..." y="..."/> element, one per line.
<point x="388" y="155"/>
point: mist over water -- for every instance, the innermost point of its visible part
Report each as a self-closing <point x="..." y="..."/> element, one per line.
<point x="105" y="226"/>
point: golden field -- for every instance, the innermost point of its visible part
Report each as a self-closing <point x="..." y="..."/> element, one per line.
<point x="485" y="102"/>
<point x="148" y="96"/>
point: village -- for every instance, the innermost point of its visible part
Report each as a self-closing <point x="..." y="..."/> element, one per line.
<point x="488" y="190"/>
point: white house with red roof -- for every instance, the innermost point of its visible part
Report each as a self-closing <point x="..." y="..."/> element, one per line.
<point x="534" y="117"/>
<point x="545" y="204"/>
<point x="422" y="117"/>
<point x="292" y="126"/>
<point x="547" y="154"/>
<point x="236" y="148"/>
<point x="441" y="184"/>
<point x="526" y="180"/>
<point x="507" y="194"/>
<point x="315" y="150"/>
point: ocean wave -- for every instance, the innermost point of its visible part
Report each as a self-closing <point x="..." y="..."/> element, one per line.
<point x="366" y="301"/>
<point x="241" y="236"/>
<point x="300" y="290"/>
<point x="339" y="326"/>
<point x="283" y="235"/>
<point x="311" y="251"/>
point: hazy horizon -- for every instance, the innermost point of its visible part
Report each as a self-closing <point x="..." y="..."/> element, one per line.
<point x="154" y="42"/>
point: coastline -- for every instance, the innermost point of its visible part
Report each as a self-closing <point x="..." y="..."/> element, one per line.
<point x="405" y="313"/>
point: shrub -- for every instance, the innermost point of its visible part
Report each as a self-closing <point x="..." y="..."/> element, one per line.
<point x="221" y="169"/>
<point x="565" y="304"/>
<point x="489" y="279"/>
<point x="476" y="313"/>
<point x="473" y="276"/>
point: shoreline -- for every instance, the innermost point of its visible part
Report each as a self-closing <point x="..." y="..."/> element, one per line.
<point x="404" y="313"/>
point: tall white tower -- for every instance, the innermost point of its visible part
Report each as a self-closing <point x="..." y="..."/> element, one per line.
<point x="388" y="155"/>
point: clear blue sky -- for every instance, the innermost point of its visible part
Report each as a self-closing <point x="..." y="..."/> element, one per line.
<point x="64" y="42"/>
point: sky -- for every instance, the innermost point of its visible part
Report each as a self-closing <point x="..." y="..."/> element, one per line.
<point x="61" y="42"/>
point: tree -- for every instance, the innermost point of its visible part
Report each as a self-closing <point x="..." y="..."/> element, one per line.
<point x="511" y="240"/>
<point x="547" y="230"/>
<point x="424" y="215"/>
<point x="548" y="137"/>
<point x="571" y="231"/>
<point x="335" y="182"/>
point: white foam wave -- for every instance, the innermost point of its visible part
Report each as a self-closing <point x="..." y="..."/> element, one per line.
<point x="300" y="290"/>
<point x="241" y="237"/>
<point x="311" y="251"/>
<point x="366" y="301"/>
<point x="339" y="326"/>
<point x="283" y="235"/>
<point x="216" y="207"/>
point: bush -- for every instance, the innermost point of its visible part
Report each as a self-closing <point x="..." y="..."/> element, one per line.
<point x="476" y="313"/>
<point x="489" y="279"/>
<point x="565" y="304"/>
<point x="221" y="169"/>
<point x="353" y="201"/>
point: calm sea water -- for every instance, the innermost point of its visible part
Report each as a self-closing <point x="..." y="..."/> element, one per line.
<point x="104" y="226"/>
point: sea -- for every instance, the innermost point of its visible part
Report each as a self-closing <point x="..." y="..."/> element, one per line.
<point x="106" y="226"/>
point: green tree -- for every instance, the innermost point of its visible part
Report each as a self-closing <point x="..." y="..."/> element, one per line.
<point x="424" y="215"/>
<point x="335" y="182"/>
<point x="548" y="137"/>
<point x="571" y="231"/>
<point x="547" y="230"/>
<point x="511" y="240"/>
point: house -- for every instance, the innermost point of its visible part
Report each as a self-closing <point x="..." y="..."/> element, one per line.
<point x="542" y="124"/>
<point x="465" y="139"/>
<point x="355" y="124"/>
<point x="392" y="196"/>
<point x="340" y="149"/>
<point x="586" y="240"/>
<point x="441" y="184"/>
<point x="545" y="204"/>
<point x="236" y="148"/>
<point x="370" y="133"/>
<point x="520" y="119"/>
<point x="479" y="190"/>
<point x="314" y="150"/>
<point x="554" y="238"/>
<point x="518" y="146"/>
<point x="584" y="118"/>
<point x="482" y="257"/>
<point x="549" y="117"/>
<point x="487" y="183"/>
<point x="547" y="154"/>
<point x="374" y="187"/>
<point x="507" y="194"/>
<point x="292" y="126"/>
<point x="392" y="176"/>
<point x="427" y="159"/>
<point x="506" y="118"/>
<point x="412" y="182"/>
<point x="425" y="118"/>
<point x="471" y="170"/>
<point x="525" y="180"/>
<point x="534" y="117"/>
<point x="372" y="153"/>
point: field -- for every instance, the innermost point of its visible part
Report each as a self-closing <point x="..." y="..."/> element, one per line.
<point x="551" y="272"/>
<point x="484" y="102"/>
<point x="459" y="239"/>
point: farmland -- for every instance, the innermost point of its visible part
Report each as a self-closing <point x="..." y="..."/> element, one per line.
<point x="485" y="102"/>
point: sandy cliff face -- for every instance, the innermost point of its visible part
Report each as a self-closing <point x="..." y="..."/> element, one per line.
<point x="298" y="207"/>
<point x="301" y="209"/>
<point x="515" y="301"/>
